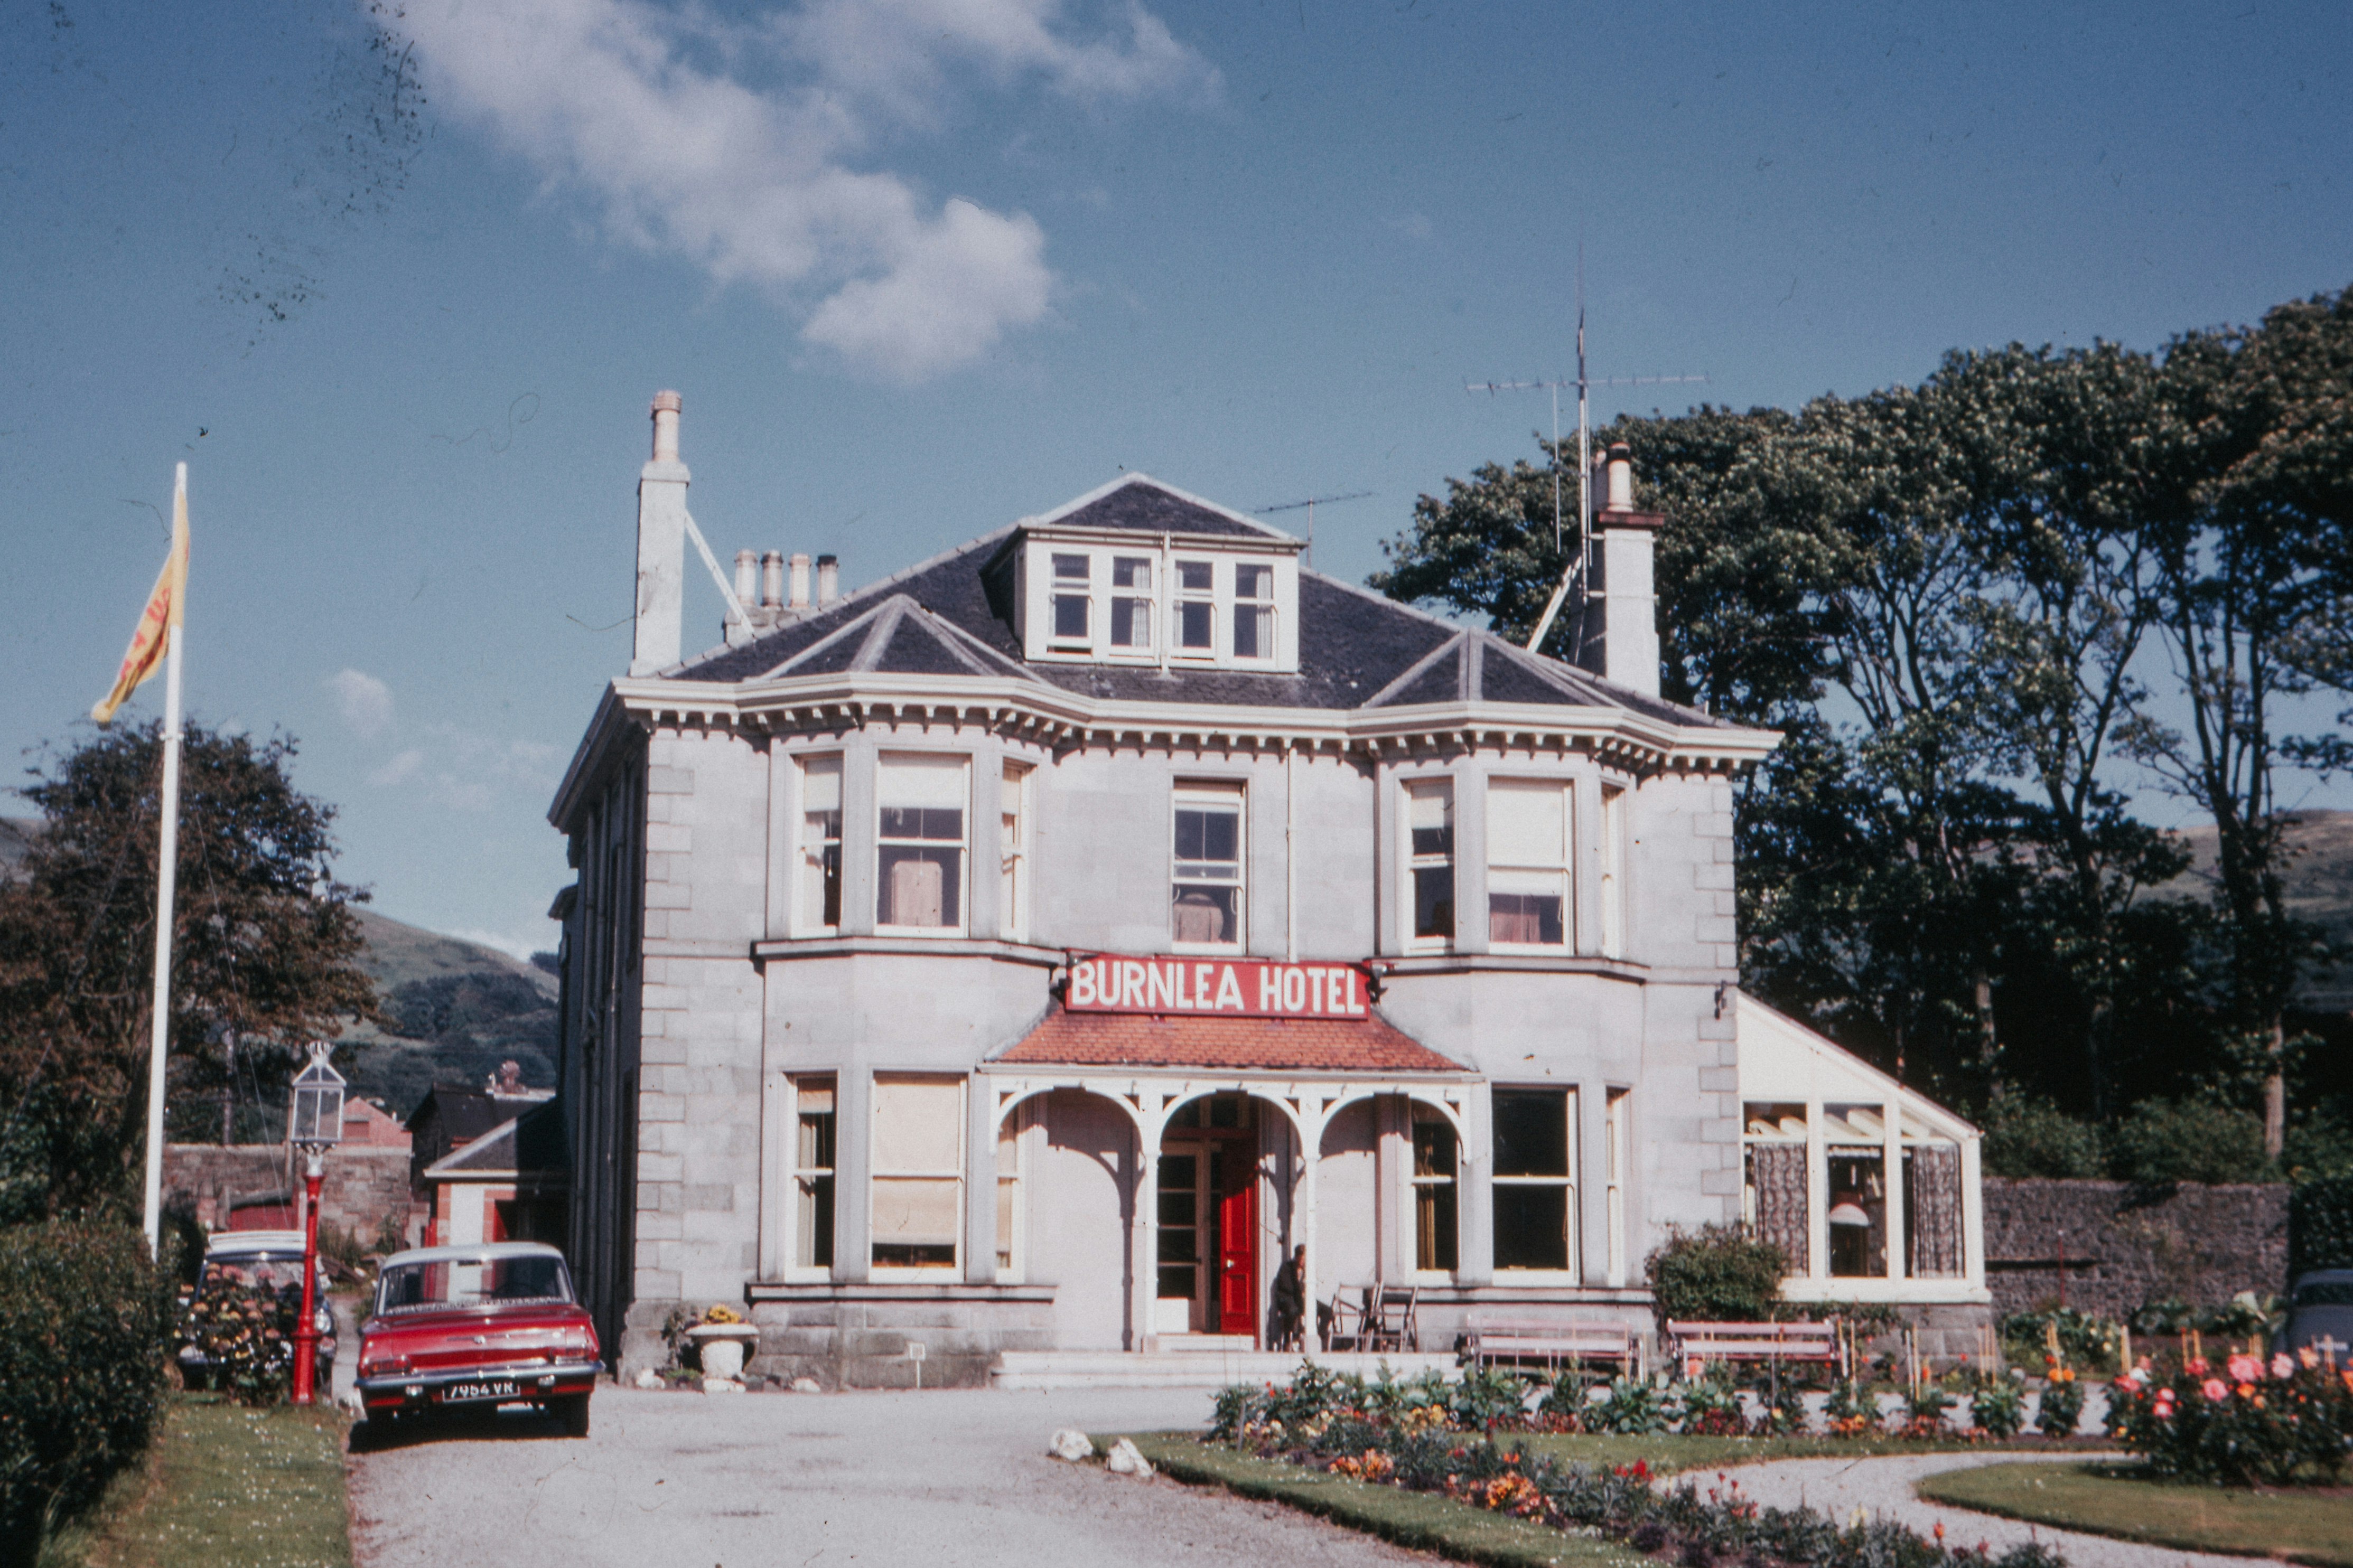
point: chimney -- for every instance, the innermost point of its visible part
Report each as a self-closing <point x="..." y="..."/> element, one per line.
<point x="800" y="601"/>
<point x="772" y="581"/>
<point x="829" y="580"/>
<point x="661" y="545"/>
<point x="747" y="582"/>
<point x="1621" y="609"/>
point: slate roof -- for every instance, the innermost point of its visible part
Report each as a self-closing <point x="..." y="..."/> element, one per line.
<point x="533" y="1142"/>
<point x="952" y="614"/>
<point x="1306" y="1045"/>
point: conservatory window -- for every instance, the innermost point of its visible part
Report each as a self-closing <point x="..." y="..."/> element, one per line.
<point x="1776" y="1199"/>
<point x="1856" y="1140"/>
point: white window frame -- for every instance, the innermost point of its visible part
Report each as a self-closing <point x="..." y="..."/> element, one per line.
<point x="1417" y="1115"/>
<point x="1617" y="1129"/>
<point x="1148" y="596"/>
<point x="1262" y="605"/>
<point x="1196" y="795"/>
<point x="1015" y="823"/>
<point x="1573" y="1241"/>
<point x="1410" y="898"/>
<point x="1059" y="589"/>
<point x="1613" y="871"/>
<point x="876" y="1174"/>
<point x="1179" y="596"/>
<point x="802" y="1172"/>
<point x="962" y="845"/>
<point x="1563" y="872"/>
<point x="1012" y="1191"/>
<point x="809" y="870"/>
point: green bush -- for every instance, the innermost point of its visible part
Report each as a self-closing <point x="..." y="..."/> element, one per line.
<point x="85" y="1321"/>
<point x="1719" y="1274"/>
<point x="2163" y="1141"/>
<point x="2028" y="1137"/>
<point x="2087" y="1342"/>
<point x="1998" y="1408"/>
<point x="2321" y="1226"/>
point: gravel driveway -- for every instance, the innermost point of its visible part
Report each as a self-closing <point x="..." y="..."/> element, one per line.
<point x="1883" y="1486"/>
<point x="942" y="1479"/>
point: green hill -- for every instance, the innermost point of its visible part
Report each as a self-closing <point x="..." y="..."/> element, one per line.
<point x="2319" y="889"/>
<point x="455" y="1010"/>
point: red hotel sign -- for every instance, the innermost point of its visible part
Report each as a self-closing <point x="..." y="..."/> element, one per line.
<point x="1237" y="988"/>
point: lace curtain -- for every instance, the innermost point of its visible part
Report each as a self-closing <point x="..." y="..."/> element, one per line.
<point x="1778" y="1171"/>
<point x="1933" y="1177"/>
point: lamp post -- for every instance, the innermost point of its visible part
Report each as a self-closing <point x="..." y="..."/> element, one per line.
<point x="315" y="1124"/>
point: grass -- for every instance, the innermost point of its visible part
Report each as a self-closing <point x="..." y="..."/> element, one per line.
<point x="2124" y="1502"/>
<point x="263" y="1488"/>
<point x="1420" y="1522"/>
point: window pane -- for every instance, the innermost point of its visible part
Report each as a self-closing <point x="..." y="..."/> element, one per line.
<point x="932" y="781"/>
<point x="1131" y="572"/>
<point x="1531" y="1131"/>
<point x="1532" y="1227"/>
<point x="1530" y="919"/>
<point x="1195" y="624"/>
<point x="919" y="887"/>
<point x="821" y="842"/>
<point x="1433" y="901"/>
<point x="1193" y="577"/>
<point x="1071" y="569"/>
<point x="1253" y="581"/>
<point x="1527" y="824"/>
<point x="1209" y="833"/>
<point x="1430" y="813"/>
<point x="915" y="1223"/>
<point x="918" y="1125"/>
<point x="1071" y="616"/>
<point x="1131" y="622"/>
<point x="1434" y="1241"/>
<point x="1253" y="632"/>
<point x="815" y="1150"/>
<point x="1206" y="914"/>
<point x="821" y="785"/>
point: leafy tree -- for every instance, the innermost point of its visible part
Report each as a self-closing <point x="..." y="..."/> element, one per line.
<point x="2161" y="1141"/>
<point x="264" y="950"/>
<point x="2028" y="1136"/>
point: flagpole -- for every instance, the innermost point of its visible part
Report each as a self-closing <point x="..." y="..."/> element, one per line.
<point x="168" y="868"/>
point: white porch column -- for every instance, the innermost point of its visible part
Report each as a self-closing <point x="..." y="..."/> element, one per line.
<point x="1475" y="1228"/>
<point x="1147" y="1283"/>
<point x="1893" y="1161"/>
<point x="1311" y="1138"/>
<point x="980" y="1183"/>
<point x="1972" y="1216"/>
<point x="1818" y="1196"/>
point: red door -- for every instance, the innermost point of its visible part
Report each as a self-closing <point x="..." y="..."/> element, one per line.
<point x="1238" y="1257"/>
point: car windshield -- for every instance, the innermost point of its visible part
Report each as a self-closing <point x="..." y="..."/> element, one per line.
<point x="2325" y="1293"/>
<point x="471" y="1282"/>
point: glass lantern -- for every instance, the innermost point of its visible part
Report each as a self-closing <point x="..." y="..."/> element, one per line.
<point x="317" y="1119"/>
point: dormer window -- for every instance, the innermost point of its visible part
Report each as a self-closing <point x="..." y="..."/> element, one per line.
<point x="1072" y="575"/>
<point x="1130" y="604"/>
<point x="1196" y="606"/>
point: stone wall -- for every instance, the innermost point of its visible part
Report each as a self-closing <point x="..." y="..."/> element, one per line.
<point x="361" y="1187"/>
<point x="2127" y="1246"/>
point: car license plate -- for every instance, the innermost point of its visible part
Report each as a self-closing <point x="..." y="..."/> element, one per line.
<point x="466" y="1392"/>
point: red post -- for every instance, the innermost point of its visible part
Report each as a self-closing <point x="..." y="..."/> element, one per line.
<point x="306" y="1331"/>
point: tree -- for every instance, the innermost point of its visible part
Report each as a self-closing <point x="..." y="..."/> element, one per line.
<point x="263" y="949"/>
<point x="2253" y="566"/>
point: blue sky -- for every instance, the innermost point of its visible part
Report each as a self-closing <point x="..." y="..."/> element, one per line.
<point x="919" y="267"/>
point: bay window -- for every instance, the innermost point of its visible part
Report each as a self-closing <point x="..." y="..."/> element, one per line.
<point x="1528" y="825"/>
<point x="919" y="855"/>
<point x="1205" y="880"/>
<point x="1535" y="1187"/>
<point x="813" y="1156"/>
<point x="918" y="1171"/>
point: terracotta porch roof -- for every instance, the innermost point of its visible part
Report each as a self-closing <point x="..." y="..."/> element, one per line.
<point x="1140" y="1040"/>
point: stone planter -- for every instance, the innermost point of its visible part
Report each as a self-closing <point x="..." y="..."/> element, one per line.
<point x="723" y="1347"/>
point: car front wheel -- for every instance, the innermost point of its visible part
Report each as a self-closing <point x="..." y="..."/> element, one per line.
<point x="573" y="1411"/>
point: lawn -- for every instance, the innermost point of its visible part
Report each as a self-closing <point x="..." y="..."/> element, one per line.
<point x="2122" y="1500"/>
<point x="1419" y="1520"/>
<point x="263" y="1488"/>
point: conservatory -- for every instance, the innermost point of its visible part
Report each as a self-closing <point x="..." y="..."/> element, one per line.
<point x="1872" y="1189"/>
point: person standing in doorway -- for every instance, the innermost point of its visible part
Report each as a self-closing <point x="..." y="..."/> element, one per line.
<point x="1286" y="1311"/>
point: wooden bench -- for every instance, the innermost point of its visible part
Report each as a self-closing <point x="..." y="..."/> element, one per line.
<point x="1755" y="1342"/>
<point x="1550" y="1340"/>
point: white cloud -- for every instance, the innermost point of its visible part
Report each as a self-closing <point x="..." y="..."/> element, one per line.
<point x="366" y="701"/>
<point x="734" y="146"/>
<point x="400" y="770"/>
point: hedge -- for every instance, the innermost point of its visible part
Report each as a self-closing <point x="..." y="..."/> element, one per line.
<point x="2321" y="1226"/>
<point x="85" y="1324"/>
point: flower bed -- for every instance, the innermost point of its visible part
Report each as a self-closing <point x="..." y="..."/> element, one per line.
<point x="2286" y="1422"/>
<point x="1403" y="1435"/>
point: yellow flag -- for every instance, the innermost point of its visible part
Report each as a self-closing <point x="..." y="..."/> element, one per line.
<point x="151" y="637"/>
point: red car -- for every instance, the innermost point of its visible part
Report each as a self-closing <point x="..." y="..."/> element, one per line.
<point x="473" y="1328"/>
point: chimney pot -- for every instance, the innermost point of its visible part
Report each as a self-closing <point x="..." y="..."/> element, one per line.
<point x="829" y="580"/>
<point x="772" y="580"/>
<point x="666" y="411"/>
<point x="747" y="577"/>
<point x="1621" y="477"/>
<point x="800" y="601"/>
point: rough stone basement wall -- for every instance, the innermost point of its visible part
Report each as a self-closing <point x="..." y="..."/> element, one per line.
<point x="360" y="1188"/>
<point x="2127" y="1246"/>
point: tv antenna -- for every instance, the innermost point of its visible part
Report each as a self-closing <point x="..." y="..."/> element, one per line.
<point x="1581" y="569"/>
<point x="1307" y="556"/>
